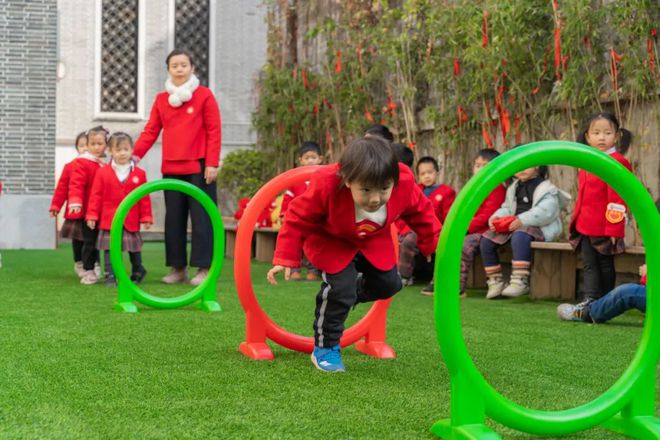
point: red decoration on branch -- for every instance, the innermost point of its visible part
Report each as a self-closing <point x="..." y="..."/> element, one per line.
<point x="649" y="49"/>
<point x="412" y="145"/>
<point x="558" y="24"/>
<point x="614" y="61"/>
<point x="367" y="114"/>
<point x="457" y="67"/>
<point x="391" y="106"/>
<point x="484" y="30"/>
<point x="303" y="73"/>
<point x="461" y="115"/>
<point x="484" y="133"/>
<point x="338" y="62"/>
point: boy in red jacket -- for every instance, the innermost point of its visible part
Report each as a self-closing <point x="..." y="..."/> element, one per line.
<point x="343" y="223"/>
<point x="112" y="184"/>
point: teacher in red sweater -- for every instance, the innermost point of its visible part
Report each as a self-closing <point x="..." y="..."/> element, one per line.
<point x="189" y="117"/>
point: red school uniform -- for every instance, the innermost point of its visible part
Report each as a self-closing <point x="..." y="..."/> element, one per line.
<point x="441" y="199"/>
<point x="323" y="218"/>
<point x="108" y="192"/>
<point x="599" y="210"/>
<point x="190" y="132"/>
<point x="82" y="177"/>
<point x="60" y="196"/>
<point x="291" y="194"/>
<point x="493" y="202"/>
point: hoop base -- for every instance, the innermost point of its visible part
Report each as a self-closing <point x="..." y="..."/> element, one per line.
<point x="258" y="351"/>
<point x="377" y="349"/>
<point x="444" y="429"/>
<point x="641" y="427"/>
<point x="210" y="306"/>
<point x="126" y="307"/>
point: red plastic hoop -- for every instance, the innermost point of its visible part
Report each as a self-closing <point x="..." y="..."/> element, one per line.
<point x="258" y="325"/>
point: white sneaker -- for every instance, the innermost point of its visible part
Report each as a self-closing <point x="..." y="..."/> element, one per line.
<point x="518" y="286"/>
<point x="495" y="287"/>
<point x="79" y="269"/>
<point x="89" y="278"/>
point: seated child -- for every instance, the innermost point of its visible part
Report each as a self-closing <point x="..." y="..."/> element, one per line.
<point x="530" y="212"/>
<point x="343" y="222"/>
<point x="112" y="184"/>
<point x="309" y="154"/>
<point x="441" y="197"/>
<point x="479" y="223"/>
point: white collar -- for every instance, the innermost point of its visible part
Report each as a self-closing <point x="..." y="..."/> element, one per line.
<point x="89" y="156"/>
<point x="182" y="93"/>
<point x="611" y="150"/>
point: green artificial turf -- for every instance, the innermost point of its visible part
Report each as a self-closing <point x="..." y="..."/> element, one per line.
<point x="71" y="367"/>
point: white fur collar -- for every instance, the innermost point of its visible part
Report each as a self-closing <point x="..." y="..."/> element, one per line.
<point x="183" y="93"/>
<point x="89" y="156"/>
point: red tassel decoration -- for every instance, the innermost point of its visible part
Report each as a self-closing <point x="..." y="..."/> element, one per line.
<point x="457" y="67"/>
<point x="338" y="62"/>
<point x="615" y="59"/>
<point x="484" y="31"/>
<point x="367" y="114"/>
<point x="649" y="49"/>
<point x="303" y="73"/>
<point x="484" y="133"/>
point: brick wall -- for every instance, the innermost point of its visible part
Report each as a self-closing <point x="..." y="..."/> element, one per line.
<point x="28" y="54"/>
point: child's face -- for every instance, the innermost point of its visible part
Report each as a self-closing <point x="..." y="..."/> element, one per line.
<point x="179" y="69"/>
<point x="310" y="158"/>
<point x="602" y="134"/>
<point x="527" y="174"/>
<point x="427" y="174"/>
<point x="81" y="146"/>
<point x="96" y="144"/>
<point x="122" y="152"/>
<point x="370" y="198"/>
<point x="478" y="164"/>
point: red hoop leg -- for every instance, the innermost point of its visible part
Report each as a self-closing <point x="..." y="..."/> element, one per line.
<point x="255" y="346"/>
<point x="374" y="344"/>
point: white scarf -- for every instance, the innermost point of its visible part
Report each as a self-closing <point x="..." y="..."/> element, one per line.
<point x="183" y="93"/>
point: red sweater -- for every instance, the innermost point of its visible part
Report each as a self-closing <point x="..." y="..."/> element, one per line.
<point x="62" y="192"/>
<point x="323" y="218"/>
<point x="493" y="202"/>
<point x="190" y="132"/>
<point x="291" y="194"/>
<point x="82" y="177"/>
<point x="441" y="199"/>
<point x="599" y="210"/>
<point x="108" y="192"/>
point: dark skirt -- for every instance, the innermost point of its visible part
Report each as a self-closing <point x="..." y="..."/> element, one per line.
<point x="130" y="241"/>
<point x="602" y="244"/>
<point x="500" y="238"/>
<point x="72" y="229"/>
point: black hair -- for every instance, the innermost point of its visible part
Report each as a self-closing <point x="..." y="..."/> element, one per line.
<point x="381" y="131"/>
<point x="97" y="130"/>
<point x="543" y="169"/>
<point x="369" y="161"/>
<point x="117" y="137"/>
<point x="487" y="154"/>
<point x="428" y="159"/>
<point x="626" y="135"/>
<point x="176" y="52"/>
<point x="309" y="146"/>
<point x="404" y="154"/>
<point x="82" y="134"/>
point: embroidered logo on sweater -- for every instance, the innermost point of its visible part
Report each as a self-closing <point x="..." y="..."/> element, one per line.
<point x="438" y="197"/>
<point x="615" y="213"/>
<point x="136" y="179"/>
<point x="366" y="227"/>
<point x="190" y="110"/>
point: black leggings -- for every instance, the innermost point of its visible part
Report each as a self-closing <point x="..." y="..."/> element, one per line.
<point x="599" y="272"/>
<point x="77" y="246"/>
<point x="135" y="257"/>
<point x="90" y="255"/>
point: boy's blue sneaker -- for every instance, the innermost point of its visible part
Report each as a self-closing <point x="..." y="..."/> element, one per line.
<point x="328" y="359"/>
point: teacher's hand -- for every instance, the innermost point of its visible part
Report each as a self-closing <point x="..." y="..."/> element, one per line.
<point x="210" y="173"/>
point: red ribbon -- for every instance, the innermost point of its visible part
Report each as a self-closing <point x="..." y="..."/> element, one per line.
<point x="615" y="59"/>
<point x="649" y="49"/>
<point x="338" y="62"/>
<point x="484" y="30"/>
<point x="558" y="52"/>
<point x="461" y="116"/>
<point x="457" y="67"/>
<point x="484" y="133"/>
<point x="391" y="106"/>
<point x="303" y="73"/>
<point x="367" y="114"/>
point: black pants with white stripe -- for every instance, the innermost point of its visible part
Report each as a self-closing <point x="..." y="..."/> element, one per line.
<point x="341" y="291"/>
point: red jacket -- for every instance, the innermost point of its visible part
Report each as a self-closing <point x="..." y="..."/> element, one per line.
<point x="108" y="192"/>
<point x="264" y="220"/>
<point x="82" y="177"/>
<point x="190" y="132"/>
<point x="643" y="280"/>
<point x="441" y="199"/>
<point x="323" y="217"/>
<point x="599" y="210"/>
<point x="493" y="202"/>
<point x="62" y="192"/>
<point x="291" y="194"/>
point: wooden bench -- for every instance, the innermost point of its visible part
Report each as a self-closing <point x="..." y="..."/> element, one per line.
<point x="263" y="243"/>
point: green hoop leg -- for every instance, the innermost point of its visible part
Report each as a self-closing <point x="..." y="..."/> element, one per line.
<point x="628" y="405"/>
<point x="128" y="291"/>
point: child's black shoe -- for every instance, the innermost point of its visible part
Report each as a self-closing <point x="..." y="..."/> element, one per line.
<point x="138" y="275"/>
<point x="110" y="281"/>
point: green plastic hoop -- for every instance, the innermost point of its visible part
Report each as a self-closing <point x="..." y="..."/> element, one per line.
<point x="628" y="405"/>
<point x="128" y="291"/>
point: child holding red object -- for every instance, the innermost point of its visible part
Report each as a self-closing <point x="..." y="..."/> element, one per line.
<point x="441" y="196"/>
<point x="530" y="212"/>
<point x="479" y="223"/>
<point x="599" y="219"/>
<point x="82" y="177"/>
<point x="72" y="227"/>
<point x="309" y="154"/>
<point x="343" y="223"/>
<point x="112" y="184"/>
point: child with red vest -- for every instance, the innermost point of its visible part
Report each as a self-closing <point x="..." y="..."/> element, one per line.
<point x="599" y="219"/>
<point x="80" y="186"/>
<point x="343" y="223"/>
<point x="479" y="223"/>
<point x="112" y="184"/>
<point x="441" y="196"/>
<point x="309" y="154"/>
<point x="72" y="228"/>
<point x="188" y="115"/>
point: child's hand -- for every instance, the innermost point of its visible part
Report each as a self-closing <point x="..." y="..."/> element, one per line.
<point x="146" y="225"/>
<point x="275" y="270"/>
<point x="91" y="224"/>
<point x="53" y="213"/>
<point x="490" y="223"/>
<point x="516" y="224"/>
<point x="642" y="270"/>
<point x="210" y="173"/>
<point x="74" y="209"/>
